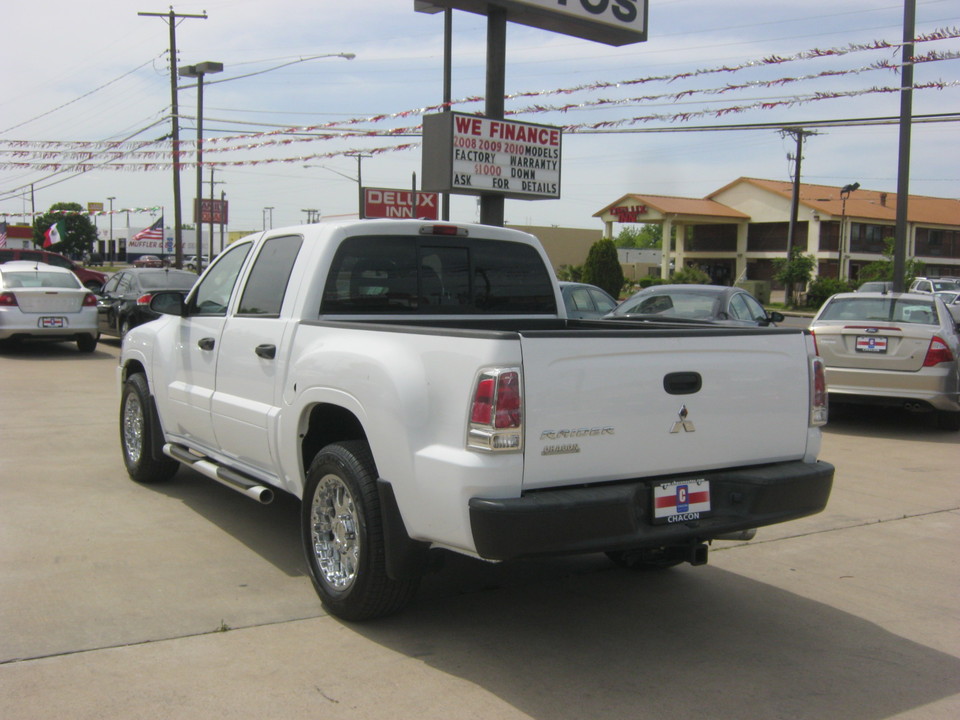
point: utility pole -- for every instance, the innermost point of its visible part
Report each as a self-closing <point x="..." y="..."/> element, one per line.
<point x="171" y="19"/>
<point x="903" y="164"/>
<point x="799" y="134"/>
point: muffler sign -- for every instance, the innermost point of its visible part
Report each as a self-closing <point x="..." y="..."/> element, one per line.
<point x="613" y="22"/>
<point x="474" y="155"/>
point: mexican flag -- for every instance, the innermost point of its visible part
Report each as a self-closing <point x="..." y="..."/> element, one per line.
<point x="55" y="233"/>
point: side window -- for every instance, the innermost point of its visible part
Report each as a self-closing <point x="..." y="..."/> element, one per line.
<point x="112" y="283"/>
<point x="212" y="295"/>
<point x="267" y="284"/>
<point x="744" y="308"/>
<point x="125" y="285"/>
<point x="603" y="303"/>
<point x="580" y="298"/>
<point x="58" y="261"/>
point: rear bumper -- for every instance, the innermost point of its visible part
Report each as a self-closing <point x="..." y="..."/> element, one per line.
<point x="618" y="517"/>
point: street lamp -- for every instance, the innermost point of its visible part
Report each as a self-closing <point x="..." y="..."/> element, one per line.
<point x="198" y="71"/>
<point x="844" y="194"/>
<point x="111" y="199"/>
<point x="358" y="179"/>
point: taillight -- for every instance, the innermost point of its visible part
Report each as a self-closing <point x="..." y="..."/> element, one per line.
<point x="819" y="409"/>
<point x="938" y="352"/>
<point x="89" y="300"/>
<point x="144" y="300"/>
<point x="8" y="299"/>
<point x="496" y="412"/>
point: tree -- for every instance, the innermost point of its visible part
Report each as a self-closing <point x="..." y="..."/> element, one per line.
<point x="690" y="275"/>
<point x="602" y="267"/>
<point x="649" y="235"/>
<point x="883" y="269"/>
<point x="794" y="271"/>
<point x="79" y="233"/>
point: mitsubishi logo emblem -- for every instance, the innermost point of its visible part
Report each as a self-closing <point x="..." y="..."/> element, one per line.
<point x="683" y="423"/>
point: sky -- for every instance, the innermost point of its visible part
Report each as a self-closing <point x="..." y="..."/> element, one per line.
<point x="640" y="118"/>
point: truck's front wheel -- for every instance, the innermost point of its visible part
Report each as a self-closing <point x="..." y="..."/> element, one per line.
<point x="137" y="432"/>
<point x="343" y="536"/>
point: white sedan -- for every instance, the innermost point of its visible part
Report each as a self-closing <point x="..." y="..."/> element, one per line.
<point x="894" y="349"/>
<point x="41" y="301"/>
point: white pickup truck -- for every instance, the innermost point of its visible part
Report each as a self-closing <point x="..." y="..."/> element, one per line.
<point x="418" y="386"/>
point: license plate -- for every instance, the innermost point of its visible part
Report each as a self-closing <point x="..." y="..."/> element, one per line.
<point x="681" y="501"/>
<point x="871" y="344"/>
<point x="53" y="322"/>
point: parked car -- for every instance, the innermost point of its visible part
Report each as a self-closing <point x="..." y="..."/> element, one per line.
<point x="933" y="284"/>
<point x="46" y="302"/>
<point x="125" y="300"/>
<point x="893" y="349"/>
<point x="876" y="286"/>
<point x="952" y="300"/>
<point x="586" y="301"/>
<point x="90" y="278"/>
<point x="148" y="261"/>
<point x="190" y="263"/>
<point x="711" y="303"/>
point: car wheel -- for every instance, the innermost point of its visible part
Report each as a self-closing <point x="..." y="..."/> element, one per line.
<point x="125" y="327"/>
<point x="87" y="343"/>
<point x="343" y="536"/>
<point x="947" y="420"/>
<point x="645" y="559"/>
<point x="137" y="424"/>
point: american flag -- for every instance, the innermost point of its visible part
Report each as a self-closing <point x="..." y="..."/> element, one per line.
<point x="154" y="232"/>
<point x="3" y="234"/>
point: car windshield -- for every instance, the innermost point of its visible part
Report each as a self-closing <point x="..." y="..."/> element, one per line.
<point x="883" y="309"/>
<point x="939" y="285"/>
<point x="39" y="278"/>
<point x="696" y="306"/>
<point x="161" y="280"/>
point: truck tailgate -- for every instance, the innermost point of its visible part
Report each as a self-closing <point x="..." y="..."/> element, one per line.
<point x="610" y="405"/>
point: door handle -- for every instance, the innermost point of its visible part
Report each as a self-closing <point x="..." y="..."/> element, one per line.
<point x="206" y="343"/>
<point x="269" y="352"/>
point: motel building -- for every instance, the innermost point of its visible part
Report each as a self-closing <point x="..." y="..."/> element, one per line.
<point x="735" y="233"/>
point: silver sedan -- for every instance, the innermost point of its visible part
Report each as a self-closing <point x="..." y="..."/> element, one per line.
<point x="893" y="349"/>
<point x="41" y="301"/>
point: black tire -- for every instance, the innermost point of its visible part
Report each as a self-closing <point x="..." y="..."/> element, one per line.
<point x="125" y="327"/>
<point x="87" y="343"/>
<point x="947" y="420"/>
<point x="343" y="536"/>
<point x="137" y="424"/>
<point x="645" y="559"/>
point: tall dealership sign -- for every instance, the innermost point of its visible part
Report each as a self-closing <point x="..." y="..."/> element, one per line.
<point x="612" y="22"/>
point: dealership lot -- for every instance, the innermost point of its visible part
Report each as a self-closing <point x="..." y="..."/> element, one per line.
<point x="189" y="600"/>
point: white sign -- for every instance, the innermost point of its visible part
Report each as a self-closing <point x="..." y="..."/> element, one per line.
<point x="613" y="22"/>
<point x="483" y="156"/>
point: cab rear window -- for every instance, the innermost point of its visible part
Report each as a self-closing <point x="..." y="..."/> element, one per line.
<point x="404" y="275"/>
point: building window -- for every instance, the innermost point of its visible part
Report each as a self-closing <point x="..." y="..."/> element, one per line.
<point x="829" y="236"/>
<point x="938" y="243"/>
<point x="772" y="237"/>
<point x="712" y="238"/>
<point x="868" y="238"/>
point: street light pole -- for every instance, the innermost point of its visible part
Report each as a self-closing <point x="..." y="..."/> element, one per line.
<point x="111" y="199"/>
<point x="844" y="194"/>
<point x="198" y="71"/>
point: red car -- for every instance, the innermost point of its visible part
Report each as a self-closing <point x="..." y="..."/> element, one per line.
<point x="148" y="261"/>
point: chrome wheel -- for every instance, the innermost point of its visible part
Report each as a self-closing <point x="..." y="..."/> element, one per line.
<point x="133" y="428"/>
<point x="335" y="536"/>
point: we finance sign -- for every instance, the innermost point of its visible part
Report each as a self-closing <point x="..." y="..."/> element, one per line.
<point x="474" y="155"/>
<point x="612" y="22"/>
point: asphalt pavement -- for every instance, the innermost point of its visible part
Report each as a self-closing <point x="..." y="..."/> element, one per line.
<point x="186" y="600"/>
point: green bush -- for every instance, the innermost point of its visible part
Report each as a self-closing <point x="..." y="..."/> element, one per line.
<point x="690" y="276"/>
<point x="602" y="267"/>
<point x="823" y="287"/>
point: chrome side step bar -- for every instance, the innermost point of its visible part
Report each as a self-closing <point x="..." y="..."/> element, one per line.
<point x="225" y="476"/>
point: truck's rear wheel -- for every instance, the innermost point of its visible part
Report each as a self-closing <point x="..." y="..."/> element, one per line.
<point x="136" y="434"/>
<point x="343" y="536"/>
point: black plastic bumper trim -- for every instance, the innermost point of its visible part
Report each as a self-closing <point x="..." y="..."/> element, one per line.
<point x="617" y="516"/>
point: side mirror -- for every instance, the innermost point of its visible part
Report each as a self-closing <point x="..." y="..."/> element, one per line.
<point x="776" y="317"/>
<point x="169" y="302"/>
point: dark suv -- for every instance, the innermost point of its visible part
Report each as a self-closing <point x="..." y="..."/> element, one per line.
<point x="91" y="279"/>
